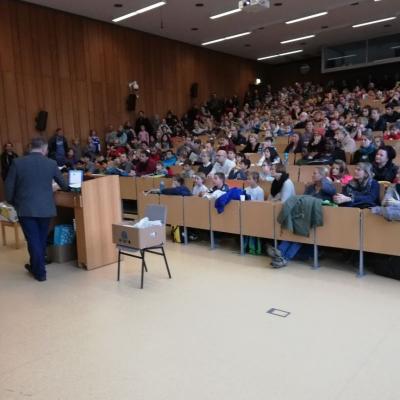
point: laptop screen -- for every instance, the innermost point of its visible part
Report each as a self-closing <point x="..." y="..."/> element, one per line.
<point x="75" y="178"/>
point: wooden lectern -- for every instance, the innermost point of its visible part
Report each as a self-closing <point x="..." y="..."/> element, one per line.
<point x="95" y="209"/>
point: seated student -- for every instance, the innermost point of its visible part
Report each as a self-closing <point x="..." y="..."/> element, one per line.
<point x="70" y="160"/>
<point x="124" y="164"/>
<point x="145" y="166"/>
<point x="321" y="187"/>
<point x="362" y="191"/>
<point x="231" y="155"/>
<point x="219" y="182"/>
<point x="187" y="172"/>
<point x="378" y="142"/>
<point x="391" y="202"/>
<point x="252" y="144"/>
<point x="205" y="166"/>
<point x="225" y="144"/>
<point x="183" y="156"/>
<point x="367" y="150"/>
<point x="100" y="167"/>
<point x="315" y="146"/>
<point x="169" y="159"/>
<point x="345" y="141"/>
<point x="339" y="173"/>
<point x="241" y="172"/>
<point x="383" y="167"/>
<point x="376" y="122"/>
<point x="330" y="153"/>
<point x="254" y="190"/>
<point x="178" y="188"/>
<point x="270" y="156"/>
<point x="199" y="188"/>
<point x="265" y="174"/>
<point x="295" y="144"/>
<point x="390" y="115"/>
<point x="282" y="186"/>
<point x="222" y="164"/>
<point x="393" y="133"/>
<point x="160" y="170"/>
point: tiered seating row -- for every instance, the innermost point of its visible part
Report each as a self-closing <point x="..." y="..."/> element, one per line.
<point x="344" y="228"/>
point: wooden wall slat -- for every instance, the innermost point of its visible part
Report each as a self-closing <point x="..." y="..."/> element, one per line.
<point x="78" y="70"/>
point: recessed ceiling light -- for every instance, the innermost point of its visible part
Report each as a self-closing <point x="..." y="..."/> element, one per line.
<point x="298" y="39"/>
<point x="280" y="55"/>
<point x="226" y="38"/>
<point x="140" y="11"/>
<point x="224" y="14"/>
<point x="321" y="14"/>
<point x="118" y="5"/>
<point x="373" y="22"/>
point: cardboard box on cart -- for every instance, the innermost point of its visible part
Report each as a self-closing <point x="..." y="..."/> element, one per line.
<point x="125" y="234"/>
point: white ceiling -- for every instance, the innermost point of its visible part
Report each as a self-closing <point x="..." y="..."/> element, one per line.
<point x="176" y="19"/>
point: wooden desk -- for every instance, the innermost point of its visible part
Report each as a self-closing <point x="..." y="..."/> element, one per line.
<point x="96" y="208"/>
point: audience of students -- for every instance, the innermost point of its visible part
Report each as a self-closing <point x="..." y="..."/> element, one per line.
<point x="321" y="125"/>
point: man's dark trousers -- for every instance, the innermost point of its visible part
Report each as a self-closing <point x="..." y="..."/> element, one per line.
<point x="35" y="230"/>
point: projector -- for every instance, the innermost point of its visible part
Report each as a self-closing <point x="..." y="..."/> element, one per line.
<point x="254" y="5"/>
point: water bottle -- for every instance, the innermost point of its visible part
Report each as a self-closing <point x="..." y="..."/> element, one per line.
<point x="162" y="185"/>
<point x="285" y="158"/>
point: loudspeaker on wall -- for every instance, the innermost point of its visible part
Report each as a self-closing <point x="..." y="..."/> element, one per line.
<point x="41" y="121"/>
<point x="194" y="90"/>
<point x="131" y="102"/>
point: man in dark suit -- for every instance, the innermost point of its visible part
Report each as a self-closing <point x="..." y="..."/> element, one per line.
<point x="29" y="189"/>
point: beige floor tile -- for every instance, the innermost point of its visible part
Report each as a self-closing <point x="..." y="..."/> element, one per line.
<point x="203" y="335"/>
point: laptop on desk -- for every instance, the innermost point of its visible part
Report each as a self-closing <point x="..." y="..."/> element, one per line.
<point x="75" y="179"/>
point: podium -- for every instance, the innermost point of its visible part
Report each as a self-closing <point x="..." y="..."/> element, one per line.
<point x="95" y="210"/>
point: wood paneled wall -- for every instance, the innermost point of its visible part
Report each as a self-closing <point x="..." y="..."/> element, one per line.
<point x="78" y="70"/>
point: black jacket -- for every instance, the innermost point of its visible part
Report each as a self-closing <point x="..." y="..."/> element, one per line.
<point x="53" y="146"/>
<point x="6" y="160"/>
<point x="386" y="173"/>
<point x="379" y="125"/>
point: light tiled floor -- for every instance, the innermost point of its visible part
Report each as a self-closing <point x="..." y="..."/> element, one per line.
<point x="203" y="335"/>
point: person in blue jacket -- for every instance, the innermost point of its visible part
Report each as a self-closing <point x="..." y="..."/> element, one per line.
<point x="362" y="191"/>
<point x="178" y="188"/>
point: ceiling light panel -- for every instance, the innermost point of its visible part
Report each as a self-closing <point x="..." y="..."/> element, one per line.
<point x="374" y="22"/>
<point x="140" y="11"/>
<point x="224" y="14"/>
<point x="280" y="55"/>
<point x="297" y="39"/>
<point x="226" y="38"/>
<point x="294" y="21"/>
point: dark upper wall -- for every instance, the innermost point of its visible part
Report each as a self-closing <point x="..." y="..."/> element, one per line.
<point x="286" y="74"/>
<point x="78" y="70"/>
